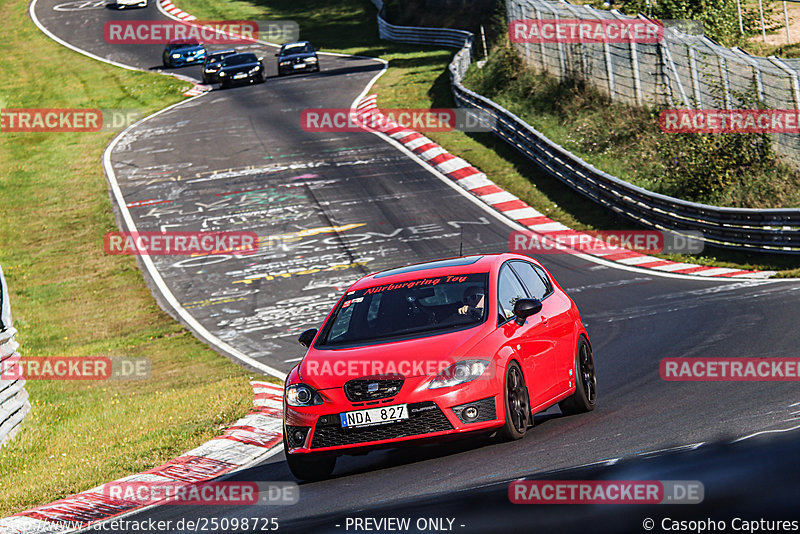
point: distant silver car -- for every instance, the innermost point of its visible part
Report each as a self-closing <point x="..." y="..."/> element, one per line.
<point x="122" y="4"/>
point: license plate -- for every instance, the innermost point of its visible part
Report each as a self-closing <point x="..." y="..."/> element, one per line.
<point x="374" y="416"/>
<point x="300" y="66"/>
<point x="240" y="76"/>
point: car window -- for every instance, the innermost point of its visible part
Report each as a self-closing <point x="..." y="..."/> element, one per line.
<point x="296" y="49"/>
<point x="239" y="59"/>
<point x="509" y="291"/>
<point x="422" y="306"/>
<point x="537" y="287"/>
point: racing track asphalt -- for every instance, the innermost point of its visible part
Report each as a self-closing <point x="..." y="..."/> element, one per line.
<point x="239" y="160"/>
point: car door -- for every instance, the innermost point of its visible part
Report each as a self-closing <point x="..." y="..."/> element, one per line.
<point x="529" y="341"/>
<point x="558" y="324"/>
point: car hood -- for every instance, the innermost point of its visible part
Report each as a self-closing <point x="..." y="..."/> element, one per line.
<point x="292" y="57"/>
<point x="244" y="67"/>
<point x="425" y="356"/>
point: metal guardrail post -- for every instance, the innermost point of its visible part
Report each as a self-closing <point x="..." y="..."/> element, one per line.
<point x="726" y="83"/>
<point x="14" y="404"/>
<point x="607" y="57"/>
<point x="671" y="65"/>
<point x="793" y="77"/>
<point x="756" y="71"/>
<point x="695" y="75"/>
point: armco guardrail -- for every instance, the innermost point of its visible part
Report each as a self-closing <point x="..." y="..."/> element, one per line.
<point x="767" y="230"/>
<point x="14" y="403"/>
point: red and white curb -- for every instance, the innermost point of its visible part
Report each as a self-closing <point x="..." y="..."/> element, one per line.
<point x="170" y="8"/>
<point x="512" y="207"/>
<point x="253" y="436"/>
<point x="197" y="89"/>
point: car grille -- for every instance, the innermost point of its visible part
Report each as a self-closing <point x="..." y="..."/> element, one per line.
<point x="425" y="418"/>
<point x="358" y="390"/>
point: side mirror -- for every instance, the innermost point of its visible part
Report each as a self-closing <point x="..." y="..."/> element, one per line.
<point x="261" y="59"/>
<point x="524" y="308"/>
<point x="308" y="336"/>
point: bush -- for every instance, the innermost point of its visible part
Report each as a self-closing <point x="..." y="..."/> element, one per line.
<point x="719" y="17"/>
<point x="502" y="67"/>
<point x="702" y="167"/>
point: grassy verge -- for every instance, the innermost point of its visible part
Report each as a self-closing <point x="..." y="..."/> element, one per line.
<point x="70" y="299"/>
<point x="417" y="78"/>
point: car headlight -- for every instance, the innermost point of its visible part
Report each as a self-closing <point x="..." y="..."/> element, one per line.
<point x="222" y="74"/>
<point x="176" y="56"/>
<point x="302" y="395"/>
<point x="255" y="69"/>
<point x="310" y="60"/>
<point x="459" y="373"/>
<point x="285" y="63"/>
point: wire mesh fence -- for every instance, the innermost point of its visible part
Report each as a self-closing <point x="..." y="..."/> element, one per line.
<point x="680" y="70"/>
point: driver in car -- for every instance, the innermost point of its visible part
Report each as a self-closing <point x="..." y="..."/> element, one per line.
<point x="474" y="302"/>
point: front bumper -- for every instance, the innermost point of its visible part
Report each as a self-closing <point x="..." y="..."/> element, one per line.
<point x="230" y="80"/>
<point x="186" y="60"/>
<point x="304" y="67"/>
<point x="431" y="416"/>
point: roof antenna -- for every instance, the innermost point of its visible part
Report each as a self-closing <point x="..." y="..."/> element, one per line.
<point x="461" y="243"/>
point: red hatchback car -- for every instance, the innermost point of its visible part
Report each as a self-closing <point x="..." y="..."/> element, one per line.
<point x="434" y="350"/>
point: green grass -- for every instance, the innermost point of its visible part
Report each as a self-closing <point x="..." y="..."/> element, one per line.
<point x="417" y="78"/>
<point x="68" y="298"/>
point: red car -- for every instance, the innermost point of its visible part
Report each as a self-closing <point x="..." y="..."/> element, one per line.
<point x="435" y="350"/>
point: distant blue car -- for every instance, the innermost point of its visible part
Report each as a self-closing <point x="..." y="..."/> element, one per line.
<point x="180" y="52"/>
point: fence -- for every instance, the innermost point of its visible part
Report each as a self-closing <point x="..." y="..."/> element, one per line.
<point x="684" y="70"/>
<point x="771" y="230"/>
<point x="14" y="403"/>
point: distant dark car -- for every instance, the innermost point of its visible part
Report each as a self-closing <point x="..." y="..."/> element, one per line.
<point x="297" y="57"/>
<point x="180" y="52"/>
<point x="242" y="68"/>
<point x="213" y="63"/>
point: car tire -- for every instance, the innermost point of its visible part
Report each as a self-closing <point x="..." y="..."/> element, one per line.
<point x="585" y="397"/>
<point x="309" y="469"/>
<point x="517" y="405"/>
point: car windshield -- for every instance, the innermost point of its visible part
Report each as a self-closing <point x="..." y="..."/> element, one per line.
<point x="183" y="44"/>
<point x="420" y="306"/>
<point x="240" y="59"/>
<point x="216" y="58"/>
<point x="297" y="49"/>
